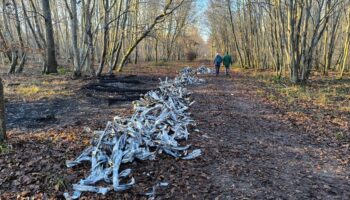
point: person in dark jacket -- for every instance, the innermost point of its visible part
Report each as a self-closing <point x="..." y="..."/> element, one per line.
<point x="217" y="63"/>
<point x="227" y="60"/>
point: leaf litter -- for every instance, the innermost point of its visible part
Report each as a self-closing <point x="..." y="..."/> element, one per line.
<point x="245" y="158"/>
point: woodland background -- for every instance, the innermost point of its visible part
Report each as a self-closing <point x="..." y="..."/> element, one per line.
<point x="280" y="120"/>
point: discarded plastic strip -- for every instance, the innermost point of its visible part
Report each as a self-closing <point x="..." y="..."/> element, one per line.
<point x="159" y="120"/>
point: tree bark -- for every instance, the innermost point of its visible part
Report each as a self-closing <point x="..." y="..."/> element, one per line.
<point x="234" y="34"/>
<point x="346" y="45"/>
<point x="74" y="35"/>
<point x="89" y="37"/>
<point x="50" y="62"/>
<point x="19" y="34"/>
<point x="105" y="37"/>
<point x="2" y="114"/>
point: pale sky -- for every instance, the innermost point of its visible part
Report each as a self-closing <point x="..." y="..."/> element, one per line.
<point x="202" y="6"/>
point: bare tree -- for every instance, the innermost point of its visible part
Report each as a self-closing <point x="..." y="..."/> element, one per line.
<point x="167" y="10"/>
<point x="50" y="62"/>
<point x="72" y="10"/>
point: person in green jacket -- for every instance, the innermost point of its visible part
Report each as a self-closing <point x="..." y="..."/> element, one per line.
<point x="227" y="61"/>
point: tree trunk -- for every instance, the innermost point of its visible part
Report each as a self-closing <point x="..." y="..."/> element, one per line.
<point x="50" y="62"/>
<point x="346" y="45"/>
<point x="21" y="64"/>
<point x="121" y="37"/>
<point x="333" y="38"/>
<point x="14" y="60"/>
<point x="90" y="54"/>
<point x="136" y="29"/>
<point x="156" y="50"/>
<point x="37" y="25"/>
<point x="105" y="37"/>
<point x="19" y="34"/>
<point x="2" y="114"/>
<point x="36" y="39"/>
<point x="74" y="35"/>
<point x="326" y="47"/>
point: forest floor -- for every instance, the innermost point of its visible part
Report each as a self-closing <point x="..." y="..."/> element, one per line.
<point x="261" y="138"/>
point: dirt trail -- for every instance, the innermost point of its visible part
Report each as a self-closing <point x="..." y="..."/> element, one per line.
<point x="252" y="152"/>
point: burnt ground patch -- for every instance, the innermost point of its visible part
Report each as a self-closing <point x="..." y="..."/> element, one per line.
<point x="98" y="97"/>
<point x="118" y="89"/>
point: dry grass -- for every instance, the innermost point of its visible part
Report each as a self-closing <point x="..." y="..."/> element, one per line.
<point x="326" y="92"/>
<point x="40" y="91"/>
<point x="34" y="87"/>
<point x="28" y="90"/>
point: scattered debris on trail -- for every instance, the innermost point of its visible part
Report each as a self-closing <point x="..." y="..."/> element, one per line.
<point x="204" y="70"/>
<point x="157" y="125"/>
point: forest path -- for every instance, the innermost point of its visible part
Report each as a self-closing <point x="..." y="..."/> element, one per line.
<point x="252" y="151"/>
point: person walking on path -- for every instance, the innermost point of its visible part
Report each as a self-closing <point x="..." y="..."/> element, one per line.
<point x="217" y="63"/>
<point x="227" y="60"/>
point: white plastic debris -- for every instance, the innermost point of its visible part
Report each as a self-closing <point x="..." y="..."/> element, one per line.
<point x="152" y="193"/>
<point x="204" y="70"/>
<point x="159" y="121"/>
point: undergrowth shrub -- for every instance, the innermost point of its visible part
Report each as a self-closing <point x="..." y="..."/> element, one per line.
<point x="191" y="55"/>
